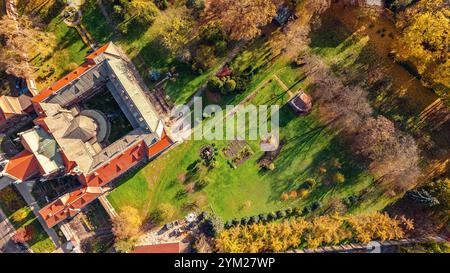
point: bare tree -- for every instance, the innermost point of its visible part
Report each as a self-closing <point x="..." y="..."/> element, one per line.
<point x="20" y="40"/>
<point x="393" y="156"/>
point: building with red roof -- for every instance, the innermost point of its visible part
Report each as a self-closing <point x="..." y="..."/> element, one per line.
<point x="69" y="139"/>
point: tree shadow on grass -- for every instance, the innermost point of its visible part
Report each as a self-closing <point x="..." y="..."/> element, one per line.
<point x="312" y="142"/>
<point x="154" y="54"/>
<point x="330" y="35"/>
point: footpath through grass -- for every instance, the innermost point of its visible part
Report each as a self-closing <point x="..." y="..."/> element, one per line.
<point x="21" y="216"/>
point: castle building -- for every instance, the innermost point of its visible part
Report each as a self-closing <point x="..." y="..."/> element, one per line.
<point x="69" y="139"/>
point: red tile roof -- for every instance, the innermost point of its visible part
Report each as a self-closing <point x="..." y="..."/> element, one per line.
<point x="88" y="64"/>
<point x="162" y="248"/>
<point x="23" y="166"/>
<point x="117" y="166"/>
<point x="68" y="205"/>
<point x="160" y="146"/>
<point x="98" y="52"/>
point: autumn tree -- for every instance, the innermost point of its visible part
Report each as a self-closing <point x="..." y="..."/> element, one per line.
<point x="423" y="41"/>
<point x="20" y="41"/>
<point x="311" y="233"/>
<point x="292" y="40"/>
<point x="127" y="224"/>
<point x="241" y="19"/>
<point x="393" y="156"/>
<point x="23" y="235"/>
<point x="177" y="36"/>
<point x="142" y="12"/>
<point x="125" y="245"/>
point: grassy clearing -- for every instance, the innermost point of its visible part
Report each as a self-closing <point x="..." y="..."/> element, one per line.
<point x="12" y="205"/>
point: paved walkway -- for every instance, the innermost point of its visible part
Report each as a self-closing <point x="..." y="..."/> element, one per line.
<point x="25" y="190"/>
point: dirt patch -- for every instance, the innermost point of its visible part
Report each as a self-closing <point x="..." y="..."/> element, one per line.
<point x="182" y="177"/>
<point x="238" y="151"/>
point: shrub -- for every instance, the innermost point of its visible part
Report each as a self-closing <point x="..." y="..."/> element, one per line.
<point x="293" y="194"/>
<point x="162" y="213"/>
<point x="205" y="58"/>
<point x="271" y="216"/>
<point x="220" y="47"/>
<point x="339" y="178"/>
<point x="254" y="219"/>
<point x="125" y="245"/>
<point x="230" y="85"/>
<point x="281" y="214"/>
<point x="212" y="33"/>
<point x="228" y="224"/>
<point x="303" y="193"/>
<point x="214" y="163"/>
<point x="213" y="225"/>
<point x="181" y="194"/>
<point x="316" y="205"/>
<point x="296" y="212"/>
<point x="215" y="84"/>
<point x="289" y="211"/>
<point x="263" y="217"/>
<point x="20" y="215"/>
<point x="309" y="183"/>
<point x="23" y="235"/>
<point x="306" y="211"/>
<point x="350" y="200"/>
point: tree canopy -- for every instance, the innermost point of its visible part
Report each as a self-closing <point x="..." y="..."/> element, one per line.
<point x="424" y="41"/>
<point x="127" y="224"/>
<point x="241" y="19"/>
<point x="139" y="11"/>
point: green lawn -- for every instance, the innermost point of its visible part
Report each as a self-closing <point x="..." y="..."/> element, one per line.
<point x="12" y="204"/>
<point x="247" y="190"/>
<point x="145" y="42"/>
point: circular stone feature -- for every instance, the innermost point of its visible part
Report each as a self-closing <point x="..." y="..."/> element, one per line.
<point x="103" y="125"/>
